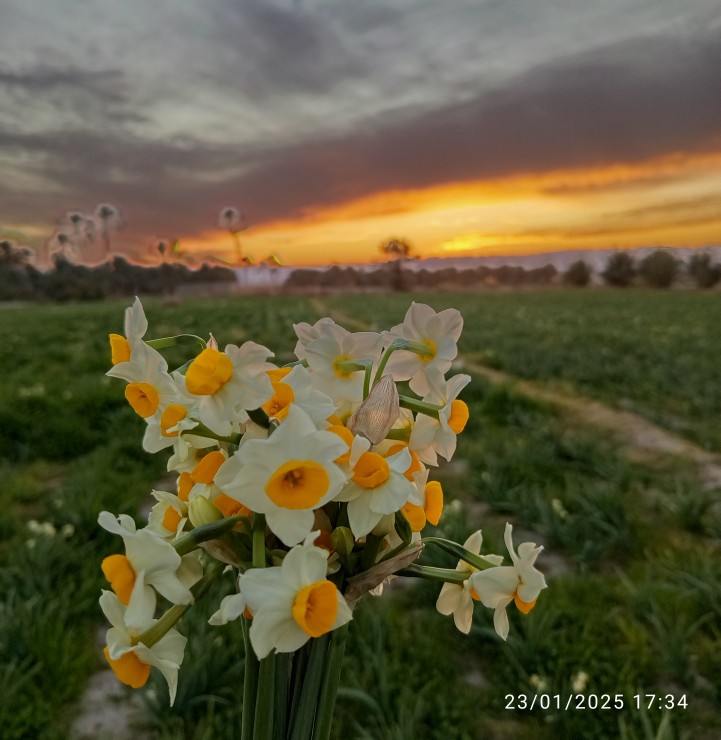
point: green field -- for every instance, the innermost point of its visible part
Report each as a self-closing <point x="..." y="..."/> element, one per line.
<point x="632" y="551"/>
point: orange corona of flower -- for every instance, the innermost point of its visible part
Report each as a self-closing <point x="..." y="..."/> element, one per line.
<point x="524" y="606"/>
<point x="208" y="372"/>
<point x="298" y="484"/>
<point x="229" y="506"/>
<point x="280" y="402"/>
<point x="119" y="348"/>
<point x="170" y="417"/>
<point x="459" y="416"/>
<point x="129" y="669"/>
<point x="171" y="519"/>
<point x="121" y="576"/>
<point x="315" y="608"/>
<point x="415" y="515"/>
<point x="143" y="398"/>
<point x="433" y="506"/>
<point x="206" y="470"/>
<point x="185" y="484"/>
<point x="371" y="470"/>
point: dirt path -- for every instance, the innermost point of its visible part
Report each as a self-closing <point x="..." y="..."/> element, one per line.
<point x="643" y="441"/>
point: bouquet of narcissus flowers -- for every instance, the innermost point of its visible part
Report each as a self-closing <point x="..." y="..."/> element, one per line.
<point x="306" y="484"/>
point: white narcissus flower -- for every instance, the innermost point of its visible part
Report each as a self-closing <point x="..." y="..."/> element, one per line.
<point x="287" y="475"/>
<point x="307" y="333"/>
<point x="457" y="598"/>
<point x="150" y="387"/>
<point x="432" y="437"/>
<point x="330" y="354"/>
<point x="292" y="602"/>
<point x="295" y="386"/>
<point x="520" y="583"/>
<point x="378" y="487"/>
<point x="135" y="327"/>
<point x="437" y="332"/>
<point x="149" y="563"/>
<point x="168" y="517"/>
<point x="166" y="426"/>
<point x="131" y="660"/>
<point x="229" y="384"/>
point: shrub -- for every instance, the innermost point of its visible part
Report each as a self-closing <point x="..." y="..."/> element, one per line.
<point x="578" y="274"/>
<point x="703" y="273"/>
<point x="620" y="270"/>
<point x="658" y="269"/>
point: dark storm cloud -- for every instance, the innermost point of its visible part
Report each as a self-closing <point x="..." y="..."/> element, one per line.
<point x="627" y="102"/>
<point x="43" y="79"/>
<point x="624" y="104"/>
<point x="55" y="97"/>
<point x="278" y="50"/>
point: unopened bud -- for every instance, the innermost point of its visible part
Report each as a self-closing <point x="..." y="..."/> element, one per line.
<point x="201" y="512"/>
<point x="342" y="540"/>
<point x="374" y="418"/>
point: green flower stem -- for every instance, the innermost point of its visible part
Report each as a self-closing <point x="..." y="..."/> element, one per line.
<point x="250" y="685"/>
<point x="265" y="700"/>
<point x="402" y="434"/>
<point x="258" y="540"/>
<point x="168" y="620"/>
<point x="434" y="574"/>
<point x="212" y="531"/>
<point x="329" y="689"/>
<point x="370" y="551"/>
<point x="282" y="678"/>
<point x="300" y="665"/>
<point x="304" y="714"/>
<point x="367" y="381"/>
<point x="477" y="561"/>
<point x="350" y="366"/>
<point x="414" y="404"/>
<point x="202" y="431"/>
<point x="165" y="342"/>
<point x="420" y="348"/>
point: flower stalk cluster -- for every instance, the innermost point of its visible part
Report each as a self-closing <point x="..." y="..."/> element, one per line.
<point x="309" y="483"/>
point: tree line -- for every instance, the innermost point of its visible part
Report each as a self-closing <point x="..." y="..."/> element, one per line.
<point x="660" y="269"/>
<point x="20" y="280"/>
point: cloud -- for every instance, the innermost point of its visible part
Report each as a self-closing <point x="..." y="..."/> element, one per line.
<point x="625" y="102"/>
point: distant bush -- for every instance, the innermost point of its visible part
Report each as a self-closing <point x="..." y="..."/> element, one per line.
<point x="620" y="270"/>
<point x="578" y="274"/>
<point x="703" y="272"/>
<point x="659" y="269"/>
<point x="68" y="281"/>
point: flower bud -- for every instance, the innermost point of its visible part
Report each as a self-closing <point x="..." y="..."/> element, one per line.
<point x="342" y="540"/>
<point x="201" y="512"/>
<point x="374" y="418"/>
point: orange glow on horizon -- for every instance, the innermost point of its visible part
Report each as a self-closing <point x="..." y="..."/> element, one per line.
<point x="671" y="200"/>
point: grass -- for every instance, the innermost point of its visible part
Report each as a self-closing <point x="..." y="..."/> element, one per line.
<point x="632" y="552"/>
<point x="656" y="353"/>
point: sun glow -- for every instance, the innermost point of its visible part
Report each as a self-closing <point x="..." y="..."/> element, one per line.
<point x="670" y="200"/>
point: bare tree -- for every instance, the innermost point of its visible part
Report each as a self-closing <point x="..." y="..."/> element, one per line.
<point x="81" y="230"/>
<point x="231" y="219"/>
<point x="13" y="256"/>
<point x="396" y="249"/>
<point x="108" y="218"/>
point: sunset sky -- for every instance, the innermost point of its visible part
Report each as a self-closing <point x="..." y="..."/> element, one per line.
<point x="466" y="127"/>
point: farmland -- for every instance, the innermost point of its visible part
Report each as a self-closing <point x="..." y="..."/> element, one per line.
<point x="632" y="554"/>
